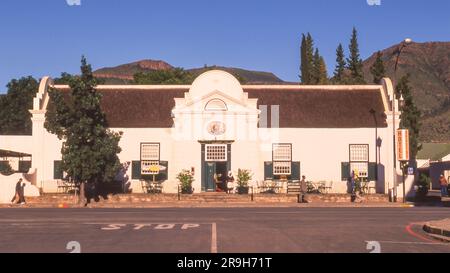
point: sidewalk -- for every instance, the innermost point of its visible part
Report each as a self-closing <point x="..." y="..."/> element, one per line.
<point x="438" y="229"/>
<point x="208" y="201"/>
<point x="188" y="204"/>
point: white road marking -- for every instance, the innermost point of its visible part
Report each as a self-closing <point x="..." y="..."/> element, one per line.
<point x="413" y="243"/>
<point x="165" y="226"/>
<point x="213" y="238"/>
<point x="186" y="226"/>
<point x="113" y="227"/>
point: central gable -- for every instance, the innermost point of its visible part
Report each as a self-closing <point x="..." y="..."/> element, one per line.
<point x="215" y="80"/>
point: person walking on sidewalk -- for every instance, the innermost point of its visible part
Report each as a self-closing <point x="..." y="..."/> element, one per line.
<point x="444" y="185"/>
<point x="304" y="189"/>
<point x="19" y="193"/>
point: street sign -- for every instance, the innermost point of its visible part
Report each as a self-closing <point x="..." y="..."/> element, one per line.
<point x="402" y="145"/>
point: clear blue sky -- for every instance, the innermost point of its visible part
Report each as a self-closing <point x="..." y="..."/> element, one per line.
<point x="47" y="37"/>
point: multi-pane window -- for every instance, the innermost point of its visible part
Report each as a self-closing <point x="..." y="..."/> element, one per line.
<point x="216" y="152"/>
<point x="359" y="159"/>
<point x="282" y="158"/>
<point x="150" y="158"/>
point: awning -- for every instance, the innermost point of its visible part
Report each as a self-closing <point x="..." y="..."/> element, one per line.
<point x="6" y="153"/>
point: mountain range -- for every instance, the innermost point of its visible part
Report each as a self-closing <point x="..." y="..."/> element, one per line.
<point x="427" y="63"/>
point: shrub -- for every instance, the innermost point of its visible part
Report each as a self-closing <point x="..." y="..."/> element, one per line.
<point x="186" y="178"/>
<point x="243" y="177"/>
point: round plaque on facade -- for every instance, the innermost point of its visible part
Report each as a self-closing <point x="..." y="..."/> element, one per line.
<point x="216" y="128"/>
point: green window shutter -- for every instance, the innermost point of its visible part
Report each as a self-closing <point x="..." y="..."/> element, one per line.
<point x="136" y="169"/>
<point x="268" y="170"/>
<point x="57" y="170"/>
<point x="295" y="170"/>
<point x="345" y="171"/>
<point x="163" y="175"/>
<point x="372" y="171"/>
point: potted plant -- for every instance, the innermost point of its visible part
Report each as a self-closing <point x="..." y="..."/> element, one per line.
<point x="243" y="177"/>
<point x="186" y="178"/>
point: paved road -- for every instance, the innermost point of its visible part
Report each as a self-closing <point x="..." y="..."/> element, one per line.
<point x="219" y="230"/>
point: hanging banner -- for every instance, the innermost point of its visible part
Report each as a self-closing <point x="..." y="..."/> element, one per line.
<point x="403" y="145"/>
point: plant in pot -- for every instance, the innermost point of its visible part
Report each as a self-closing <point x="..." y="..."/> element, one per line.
<point x="243" y="177"/>
<point x="186" y="178"/>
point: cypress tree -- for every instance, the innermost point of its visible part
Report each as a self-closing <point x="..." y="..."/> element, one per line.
<point x="339" y="71"/>
<point x="354" y="62"/>
<point x="377" y="69"/>
<point x="323" y="73"/>
<point x="319" y="75"/>
<point x="410" y="116"/>
<point x="307" y="59"/>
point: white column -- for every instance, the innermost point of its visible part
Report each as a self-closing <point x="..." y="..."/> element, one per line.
<point x="37" y="161"/>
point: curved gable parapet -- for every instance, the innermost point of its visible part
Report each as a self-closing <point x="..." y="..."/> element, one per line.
<point x="216" y="80"/>
<point x="40" y="101"/>
<point x="387" y="93"/>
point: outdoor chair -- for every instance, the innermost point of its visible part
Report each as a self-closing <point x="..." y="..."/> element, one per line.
<point x="371" y="186"/>
<point x="62" y="187"/>
<point x="326" y="187"/>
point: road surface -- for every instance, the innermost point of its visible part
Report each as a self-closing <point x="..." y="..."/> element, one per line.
<point x="227" y="230"/>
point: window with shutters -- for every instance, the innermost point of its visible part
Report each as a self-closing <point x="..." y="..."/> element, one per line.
<point x="359" y="159"/>
<point x="216" y="152"/>
<point x="150" y="156"/>
<point x="282" y="158"/>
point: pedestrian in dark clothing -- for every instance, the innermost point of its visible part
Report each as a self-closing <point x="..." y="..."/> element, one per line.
<point x="19" y="193"/>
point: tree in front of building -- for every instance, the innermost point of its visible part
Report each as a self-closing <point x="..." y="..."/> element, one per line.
<point x="410" y="116"/>
<point x="339" y="71"/>
<point x="89" y="149"/>
<point x="15" y="118"/>
<point x="354" y="62"/>
<point x="377" y="69"/>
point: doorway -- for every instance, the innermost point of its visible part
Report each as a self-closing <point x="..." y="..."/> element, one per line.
<point x="216" y="162"/>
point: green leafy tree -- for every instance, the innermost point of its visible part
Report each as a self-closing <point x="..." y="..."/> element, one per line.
<point x="339" y="71"/>
<point x="307" y="59"/>
<point x="410" y="116"/>
<point x="15" y="118"/>
<point x="65" y="78"/>
<point x="169" y="76"/>
<point x="378" y="70"/>
<point x="89" y="150"/>
<point x="354" y="62"/>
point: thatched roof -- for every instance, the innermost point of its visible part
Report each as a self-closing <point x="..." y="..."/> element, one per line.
<point x="132" y="107"/>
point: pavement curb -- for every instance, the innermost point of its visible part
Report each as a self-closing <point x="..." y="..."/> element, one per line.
<point x="438" y="232"/>
<point x="216" y="205"/>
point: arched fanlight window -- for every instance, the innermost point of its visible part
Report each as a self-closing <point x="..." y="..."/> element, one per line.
<point x="216" y="105"/>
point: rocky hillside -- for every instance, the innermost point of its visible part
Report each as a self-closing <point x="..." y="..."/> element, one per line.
<point x="429" y="66"/>
<point x="123" y="74"/>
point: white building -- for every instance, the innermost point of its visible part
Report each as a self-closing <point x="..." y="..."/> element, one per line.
<point x="216" y="124"/>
